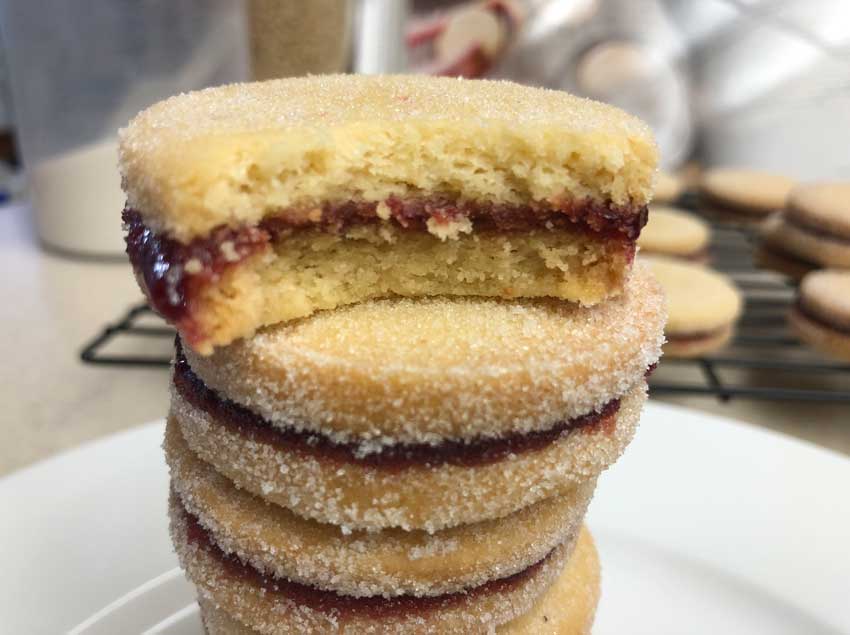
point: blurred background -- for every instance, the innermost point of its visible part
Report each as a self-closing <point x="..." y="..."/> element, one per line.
<point x="756" y="85"/>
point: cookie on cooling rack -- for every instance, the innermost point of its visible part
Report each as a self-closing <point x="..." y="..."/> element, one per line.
<point x="702" y="307"/>
<point x="742" y="195"/>
<point x="815" y="225"/>
<point x="668" y="187"/>
<point x="676" y="233"/>
<point x="821" y="315"/>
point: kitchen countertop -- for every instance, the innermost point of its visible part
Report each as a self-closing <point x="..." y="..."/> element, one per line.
<point x="53" y="401"/>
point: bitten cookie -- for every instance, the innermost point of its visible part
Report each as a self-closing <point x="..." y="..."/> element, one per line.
<point x="252" y="204"/>
<point x="676" y="233"/>
<point x="702" y="307"/>
<point x="821" y="316"/>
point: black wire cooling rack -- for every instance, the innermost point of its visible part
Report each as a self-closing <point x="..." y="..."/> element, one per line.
<point x="764" y="360"/>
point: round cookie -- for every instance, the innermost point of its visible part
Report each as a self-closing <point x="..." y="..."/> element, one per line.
<point x="567" y="608"/>
<point x="815" y="226"/>
<point x="668" y="188"/>
<point x="768" y="256"/>
<point x="274" y="605"/>
<point x="804" y="244"/>
<point x="702" y="307"/>
<point x="674" y="232"/>
<point x="821" y="316"/>
<point x="393" y="562"/>
<point x="397" y="370"/>
<point x="430" y="494"/>
<point x="822" y="206"/>
<point x="745" y="193"/>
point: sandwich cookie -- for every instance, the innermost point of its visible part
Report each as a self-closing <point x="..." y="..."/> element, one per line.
<point x="389" y="563"/>
<point x="424" y="414"/>
<point x="742" y="195"/>
<point x="566" y="608"/>
<point x="815" y="226"/>
<point x="277" y="605"/>
<point x="702" y="307"/>
<point x="676" y="233"/>
<point x="253" y="204"/>
<point x="821" y="316"/>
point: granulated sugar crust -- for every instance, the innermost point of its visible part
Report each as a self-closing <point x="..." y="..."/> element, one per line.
<point x="392" y="562"/>
<point x="273" y="613"/>
<point x="231" y="155"/>
<point x="567" y="608"/>
<point x="420" y="496"/>
<point x="423" y="370"/>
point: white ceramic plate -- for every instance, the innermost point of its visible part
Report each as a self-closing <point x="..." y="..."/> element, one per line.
<point x="705" y="526"/>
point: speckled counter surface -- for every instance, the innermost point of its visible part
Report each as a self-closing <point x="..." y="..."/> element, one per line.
<point x="52" y="401"/>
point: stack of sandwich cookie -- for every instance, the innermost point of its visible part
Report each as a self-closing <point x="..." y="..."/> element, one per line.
<point x="403" y="465"/>
<point x="411" y="338"/>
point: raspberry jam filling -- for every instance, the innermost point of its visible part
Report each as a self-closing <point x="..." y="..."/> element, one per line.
<point x="373" y="607"/>
<point x="475" y="452"/>
<point x="171" y="272"/>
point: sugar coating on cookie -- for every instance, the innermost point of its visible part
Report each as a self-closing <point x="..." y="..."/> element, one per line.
<point x="399" y="370"/>
<point x="277" y="541"/>
<point x="258" y="203"/>
<point x="674" y="232"/>
<point x="231" y="154"/>
<point x="427" y="494"/>
<point x="277" y="606"/>
<point x="567" y="607"/>
<point x="746" y="191"/>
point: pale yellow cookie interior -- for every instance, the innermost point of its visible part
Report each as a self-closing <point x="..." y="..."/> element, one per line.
<point x="232" y="155"/>
<point x="310" y="271"/>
